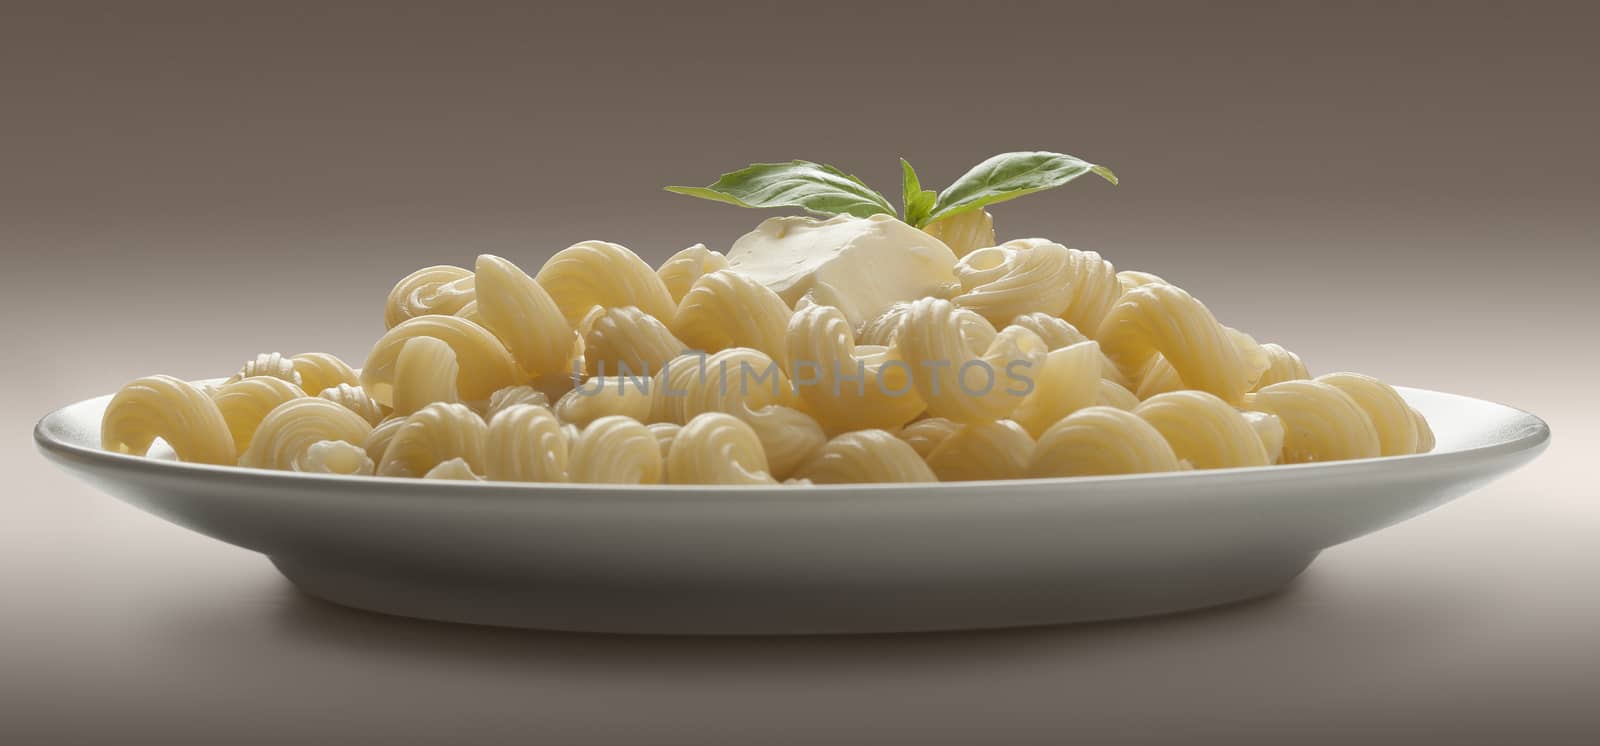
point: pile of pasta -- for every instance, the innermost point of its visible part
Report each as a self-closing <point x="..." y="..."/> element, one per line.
<point x="474" y="380"/>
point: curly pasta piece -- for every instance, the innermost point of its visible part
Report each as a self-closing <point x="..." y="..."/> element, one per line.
<point x="336" y="457"/>
<point x="525" y="444"/>
<point x="880" y="330"/>
<point x="749" y="385"/>
<point x="848" y="387"/>
<point x="1204" y="430"/>
<point x="524" y="316"/>
<point x="960" y="366"/>
<point x="1093" y="284"/>
<point x="605" y="397"/>
<point x="377" y="442"/>
<point x="983" y="450"/>
<point x="1395" y="421"/>
<point x="1101" y="440"/>
<point x="1130" y="279"/>
<point x="1282" y="365"/>
<point x="246" y="402"/>
<point x="1058" y="333"/>
<point x="1425" y="438"/>
<point x="964" y="232"/>
<point x="424" y="373"/>
<point x="627" y="341"/>
<point x="716" y="448"/>
<point x="268" y="365"/>
<point x="175" y="411"/>
<point x="926" y="434"/>
<point x="1159" y="318"/>
<point x="456" y="470"/>
<point x="435" y="434"/>
<point x="355" y="399"/>
<point x="1320" y="422"/>
<point x="1270" y="430"/>
<point x="513" y="395"/>
<point x="665" y="433"/>
<point x="470" y="313"/>
<point x="287" y="433"/>
<point x="1112" y="394"/>
<point x="616" y="450"/>
<point x="1158" y="377"/>
<point x="320" y="371"/>
<point x="486" y="365"/>
<point x="597" y="273"/>
<point x="728" y="309"/>
<point x="1068" y="381"/>
<point x="680" y="271"/>
<point x="866" y="456"/>
<point x="431" y="290"/>
<point x="1015" y="278"/>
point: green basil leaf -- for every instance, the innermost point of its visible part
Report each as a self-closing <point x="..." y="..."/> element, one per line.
<point x="916" y="203"/>
<point x="1009" y="176"/>
<point x="815" y="187"/>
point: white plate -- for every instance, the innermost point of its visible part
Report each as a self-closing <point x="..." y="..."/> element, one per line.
<point x="786" y="560"/>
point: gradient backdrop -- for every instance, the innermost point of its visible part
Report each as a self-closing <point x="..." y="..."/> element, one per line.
<point x="1404" y="189"/>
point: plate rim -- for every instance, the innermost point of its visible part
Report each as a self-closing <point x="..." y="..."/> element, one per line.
<point x="1535" y="434"/>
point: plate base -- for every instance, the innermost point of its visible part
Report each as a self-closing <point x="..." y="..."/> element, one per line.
<point x="675" y="606"/>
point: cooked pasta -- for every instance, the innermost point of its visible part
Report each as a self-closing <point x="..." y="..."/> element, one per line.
<point x="616" y="450"/>
<point x="1390" y="415"/>
<point x="525" y="444"/>
<point x="1068" y="381"/>
<point x="727" y="309"/>
<point x="287" y="433"/>
<point x="435" y="434"/>
<point x="1130" y="279"/>
<point x="865" y="456"/>
<point x="1269" y="428"/>
<point x="424" y="373"/>
<point x="1112" y="394"/>
<point x="1282" y="365"/>
<point x="1320" y="422"/>
<point x="170" y="409"/>
<point x="269" y="365"/>
<point x="1204" y="430"/>
<point x="514" y="395"/>
<point x="245" y="403"/>
<point x="320" y="371"/>
<point x="355" y="399"/>
<point x="926" y="434"/>
<point x="897" y="361"/>
<point x="1058" y="333"/>
<point x="848" y="387"/>
<point x="456" y="469"/>
<point x="597" y="273"/>
<point x="964" y="232"/>
<point x="1016" y="278"/>
<point x="627" y="341"/>
<point x="524" y="316"/>
<point x="605" y="397"/>
<point x="1000" y="449"/>
<point x="1101" y="440"/>
<point x="682" y="269"/>
<point x="336" y="457"/>
<point x="431" y="290"/>
<point x="962" y="367"/>
<point x="716" y="448"/>
<point x="486" y="366"/>
<point x="1160" y="318"/>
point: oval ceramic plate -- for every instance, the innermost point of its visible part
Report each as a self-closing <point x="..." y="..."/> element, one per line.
<point x="793" y="560"/>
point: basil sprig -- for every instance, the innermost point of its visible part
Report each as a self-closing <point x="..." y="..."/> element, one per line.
<point x="824" y="190"/>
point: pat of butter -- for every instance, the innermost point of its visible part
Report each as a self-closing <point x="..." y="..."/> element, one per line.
<point x="859" y="265"/>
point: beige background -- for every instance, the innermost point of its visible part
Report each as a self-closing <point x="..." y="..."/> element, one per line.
<point x="1403" y="189"/>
